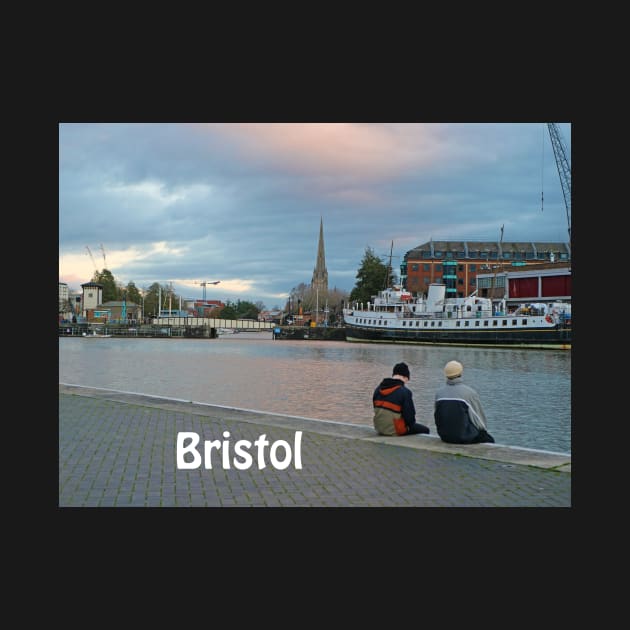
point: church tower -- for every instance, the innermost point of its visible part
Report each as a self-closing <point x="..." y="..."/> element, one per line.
<point x="320" y="275"/>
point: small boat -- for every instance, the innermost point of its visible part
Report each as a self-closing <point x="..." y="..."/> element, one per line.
<point x="395" y="316"/>
<point x="94" y="335"/>
<point x="226" y="331"/>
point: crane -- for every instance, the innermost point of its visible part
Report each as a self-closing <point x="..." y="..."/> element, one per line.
<point x="104" y="261"/>
<point x="92" y="257"/>
<point x="203" y="284"/>
<point x="564" y="168"/>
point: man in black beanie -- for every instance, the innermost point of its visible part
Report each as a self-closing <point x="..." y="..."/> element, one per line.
<point x="394" y="411"/>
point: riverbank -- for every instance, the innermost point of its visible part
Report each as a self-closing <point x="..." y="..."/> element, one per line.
<point x="118" y="449"/>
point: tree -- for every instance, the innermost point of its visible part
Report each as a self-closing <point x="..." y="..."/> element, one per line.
<point x="111" y="291"/>
<point x="133" y="294"/>
<point x="372" y="277"/>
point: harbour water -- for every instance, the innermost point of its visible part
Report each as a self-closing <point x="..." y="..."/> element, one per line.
<point x="526" y="393"/>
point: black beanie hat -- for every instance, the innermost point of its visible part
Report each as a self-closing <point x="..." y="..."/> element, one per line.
<point x="402" y="369"/>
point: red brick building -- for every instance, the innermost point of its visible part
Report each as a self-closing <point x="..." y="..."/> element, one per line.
<point x="424" y="264"/>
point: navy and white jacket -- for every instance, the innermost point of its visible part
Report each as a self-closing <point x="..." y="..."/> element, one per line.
<point x="459" y="416"/>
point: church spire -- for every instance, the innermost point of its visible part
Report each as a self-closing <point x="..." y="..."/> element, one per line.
<point x="320" y="275"/>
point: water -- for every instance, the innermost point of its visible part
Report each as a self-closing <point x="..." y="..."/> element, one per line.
<point x="526" y="394"/>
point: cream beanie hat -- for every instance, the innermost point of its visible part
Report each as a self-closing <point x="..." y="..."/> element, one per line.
<point x="453" y="369"/>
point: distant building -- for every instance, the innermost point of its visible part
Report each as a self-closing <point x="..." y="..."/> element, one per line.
<point x="424" y="264"/>
<point x="319" y="282"/>
<point x="545" y="282"/>
<point x="92" y="298"/>
<point x="64" y="296"/>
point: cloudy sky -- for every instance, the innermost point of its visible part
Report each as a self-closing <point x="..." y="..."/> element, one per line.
<point x="185" y="203"/>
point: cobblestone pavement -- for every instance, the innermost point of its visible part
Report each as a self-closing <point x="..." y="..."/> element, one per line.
<point x="119" y="450"/>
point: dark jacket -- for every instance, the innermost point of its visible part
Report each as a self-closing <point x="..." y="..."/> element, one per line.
<point x="459" y="416"/>
<point x="394" y="411"/>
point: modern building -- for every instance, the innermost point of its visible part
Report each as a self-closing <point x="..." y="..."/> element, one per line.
<point x="545" y="282"/>
<point x="458" y="263"/>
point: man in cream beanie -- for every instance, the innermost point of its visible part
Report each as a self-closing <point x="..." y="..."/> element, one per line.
<point x="458" y="414"/>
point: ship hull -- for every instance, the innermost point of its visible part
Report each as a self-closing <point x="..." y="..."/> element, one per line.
<point x="545" y="338"/>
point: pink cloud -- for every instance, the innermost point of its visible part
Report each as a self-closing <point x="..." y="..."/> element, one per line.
<point x="353" y="150"/>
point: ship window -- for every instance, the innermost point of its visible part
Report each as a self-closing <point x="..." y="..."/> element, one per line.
<point x="514" y="322"/>
<point x="504" y="322"/>
<point x="425" y="324"/>
<point x="467" y="323"/>
<point x="485" y="323"/>
<point x="432" y="323"/>
<point x="404" y="323"/>
<point x="417" y="324"/>
<point x="476" y="323"/>
<point x="524" y="322"/>
<point x="494" y="322"/>
<point x="458" y="323"/>
<point x="439" y="323"/>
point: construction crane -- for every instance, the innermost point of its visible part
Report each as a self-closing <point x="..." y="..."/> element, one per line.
<point x="104" y="261"/>
<point x="203" y="284"/>
<point x="92" y="258"/>
<point x="564" y="168"/>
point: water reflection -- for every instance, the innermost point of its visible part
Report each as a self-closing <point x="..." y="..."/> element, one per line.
<point x="526" y="393"/>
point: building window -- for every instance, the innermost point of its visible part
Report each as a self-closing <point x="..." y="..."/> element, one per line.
<point x="414" y="267"/>
<point x="473" y="282"/>
<point x="438" y="267"/>
<point x="518" y="255"/>
<point x="426" y="280"/>
<point x="460" y="267"/>
<point x="473" y="268"/>
<point x="426" y="255"/>
<point x="507" y="254"/>
<point x="438" y="254"/>
<point x="494" y="255"/>
<point x="483" y="255"/>
<point x="529" y="255"/>
<point x="460" y="254"/>
<point x="460" y="281"/>
<point x="426" y="267"/>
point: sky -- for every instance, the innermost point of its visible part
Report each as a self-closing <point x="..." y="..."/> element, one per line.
<point x="241" y="203"/>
